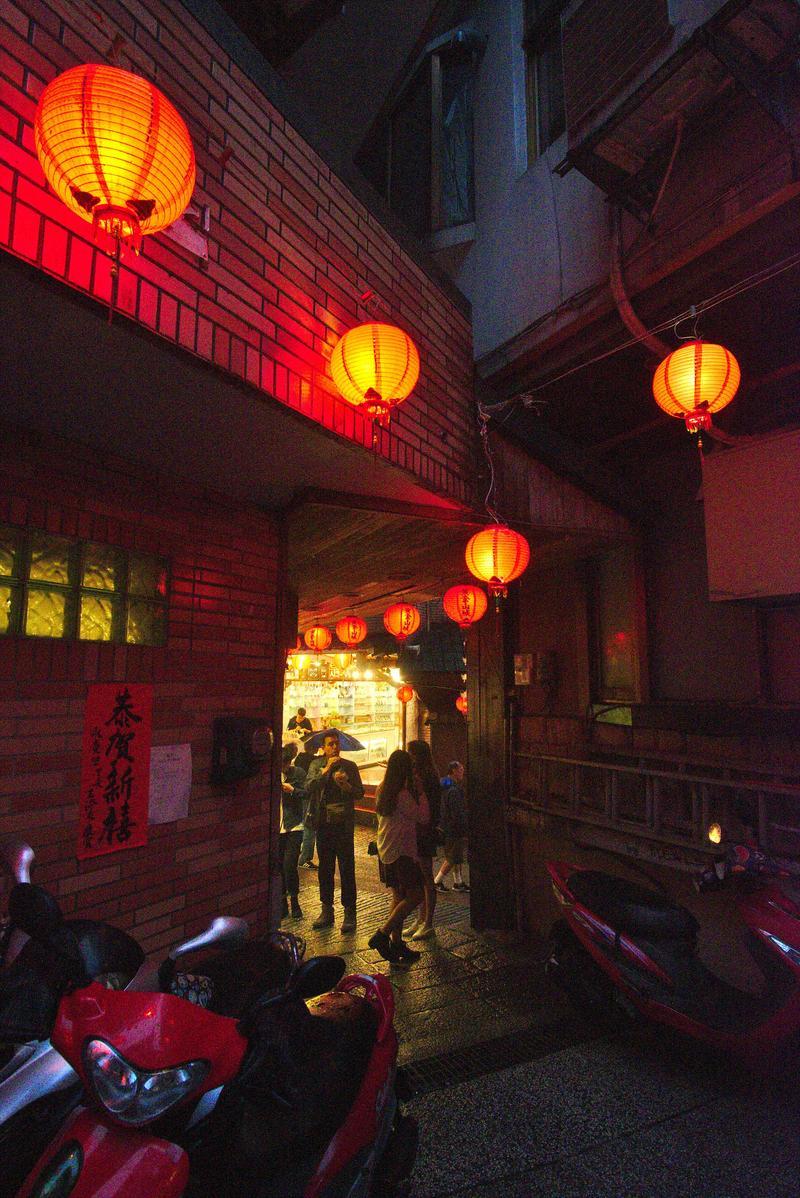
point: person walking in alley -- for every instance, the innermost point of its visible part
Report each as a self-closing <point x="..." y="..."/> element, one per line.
<point x="333" y="791"/>
<point x="454" y="827"/>
<point x="398" y="808"/>
<point x="426" y="780"/>
<point x="291" y="833"/>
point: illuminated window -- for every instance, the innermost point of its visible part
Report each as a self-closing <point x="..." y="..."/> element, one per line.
<point x="53" y="587"/>
<point x="545" y="74"/>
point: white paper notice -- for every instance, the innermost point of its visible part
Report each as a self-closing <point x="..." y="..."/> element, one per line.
<point x="170" y="782"/>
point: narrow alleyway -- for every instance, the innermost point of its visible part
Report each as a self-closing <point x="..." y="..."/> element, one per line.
<point x="517" y="1096"/>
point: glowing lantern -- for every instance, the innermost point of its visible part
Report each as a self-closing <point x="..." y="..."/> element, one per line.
<point x="343" y="660"/>
<point x="497" y="555"/>
<point x="351" y="630"/>
<point x="696" y="380"/>
<point x="405" y="694"/>
<point x="461" y="704"/>
<point x="465" y="604"/>
<point x="318" y="638"/>
<point x="115" y="151"/>
<point x="375" y="367"/>
<point x="401" y="619"/>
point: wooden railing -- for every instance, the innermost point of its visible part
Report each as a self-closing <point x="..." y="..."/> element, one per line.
<point x="671" y="803"/>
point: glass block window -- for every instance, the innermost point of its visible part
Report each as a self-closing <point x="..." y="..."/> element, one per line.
<point x="53" y="587"/>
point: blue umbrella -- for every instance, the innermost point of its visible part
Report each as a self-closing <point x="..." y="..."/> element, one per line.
<point x="347" y="743"/>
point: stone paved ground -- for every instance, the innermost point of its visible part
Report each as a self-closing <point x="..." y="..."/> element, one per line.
<point x="518" y="1097"/>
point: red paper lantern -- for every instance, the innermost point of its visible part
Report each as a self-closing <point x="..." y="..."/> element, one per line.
<point x="405" y="694"/>
<point x="465" y="604"/>
<point x="351" y="630"/>
<point x="375" y="367"/>
<point x="401" y="619"/>
<point x="497" y="555"/>
<point x="318" y="638"/>
<point x="695" y="380"/>
<point x="114" y="150"/>
<point x="461" y="704"/>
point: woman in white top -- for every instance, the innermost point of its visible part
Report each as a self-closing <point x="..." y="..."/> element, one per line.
<point x="399" y="812"/>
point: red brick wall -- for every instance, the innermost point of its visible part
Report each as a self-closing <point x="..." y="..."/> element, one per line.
<point x="290" y="248"/>
<point x="219" y="659"/>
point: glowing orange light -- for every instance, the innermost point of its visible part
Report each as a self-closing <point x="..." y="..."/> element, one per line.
<point x="465" y="604"/>
<point x="497" y="555"/>
<point x="318" y="638"/>
<point x="695" y="380"/>
<point x="402" y="620"/>
<point x="114" y="150"/>
<point x="343" y="660"/>
<point x="375" y="367"/>
<point x="715" y="833"/>
<point x="405" y="694"/>
<point x="351" y="630"/>
<point x="461" y="704"/>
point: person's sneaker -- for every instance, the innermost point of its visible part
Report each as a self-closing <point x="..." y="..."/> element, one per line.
<point x="423" y="932"/>
<point x="349" y="921"/>
<point x="383" y="945"/>
<point x="324" y="919"/>
<point x="297" y="912"/>
<point x="460" y="886"/>
<point x="441" y="886"/>
<point x="405" y="954"/>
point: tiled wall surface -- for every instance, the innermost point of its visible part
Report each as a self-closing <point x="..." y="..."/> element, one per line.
<point x="218" y="660"/>
<point x="291" y="249"/>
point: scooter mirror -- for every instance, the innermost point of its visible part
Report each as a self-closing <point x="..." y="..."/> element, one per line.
<point x="317" y="975"/>
<point x="225" y="930"/>
<point x="18" y="858"/>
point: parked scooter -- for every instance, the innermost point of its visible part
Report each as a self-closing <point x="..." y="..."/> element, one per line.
<point x="38" y="1087"/>
<point x="288" y="1101"/>
<point x="621" y="947"/>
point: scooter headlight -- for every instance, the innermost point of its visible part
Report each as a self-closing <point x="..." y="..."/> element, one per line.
<point x="132" y="1095"/>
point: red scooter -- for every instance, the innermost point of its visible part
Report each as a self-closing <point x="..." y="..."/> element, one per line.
<point x="289" y="1101"/>
<point x="623" y="947"/>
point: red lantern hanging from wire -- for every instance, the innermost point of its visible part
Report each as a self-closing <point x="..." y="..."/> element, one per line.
<point x="405" y="694"/>
<point x="318" y="638"/>
<point x="465" y="604"/>
<point x="497" y="555"/>
<point x="461" y="704"/>
<point x="694" y="381"/>
<point x="351" y="630"/>
<point x="402" y="620"/>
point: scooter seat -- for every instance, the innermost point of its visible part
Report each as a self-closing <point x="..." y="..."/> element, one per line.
<point x="627" y="907"/>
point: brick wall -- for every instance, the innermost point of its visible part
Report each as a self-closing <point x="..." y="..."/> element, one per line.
<point x="219" y="659"/>
<point x="290" y="249"/>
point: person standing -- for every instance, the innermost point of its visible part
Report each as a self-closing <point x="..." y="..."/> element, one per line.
<point x="333" y="792"/>
<point x="426" y="780"/>
<point x="300" y="722"/>
<point x="308" y="762"/>
<point x="454" y="826"/>
<point x="291" y="833"/>
<point x="398" y="811"/>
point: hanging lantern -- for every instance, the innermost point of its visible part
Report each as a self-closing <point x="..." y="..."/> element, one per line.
<point x="497" y="555"/>
<point x="318" y="638"/>
<point x="401" y="619"/>
<point x="343" y="660"/>
<point x="461" y="704"/>
<point x="405" y="694"/>
<point x="115" y="151"/>
<point x="695" y="380"/>
<point x="351" y="630"/>
<point x="375" y="367"/>
<point x="465" y="604"/>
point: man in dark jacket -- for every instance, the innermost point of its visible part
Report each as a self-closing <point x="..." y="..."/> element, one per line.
<point x="454" y="826"/>
<point x="334" y="788"/>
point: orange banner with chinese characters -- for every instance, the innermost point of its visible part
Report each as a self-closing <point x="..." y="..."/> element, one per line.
<point x="115" y="768"/>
